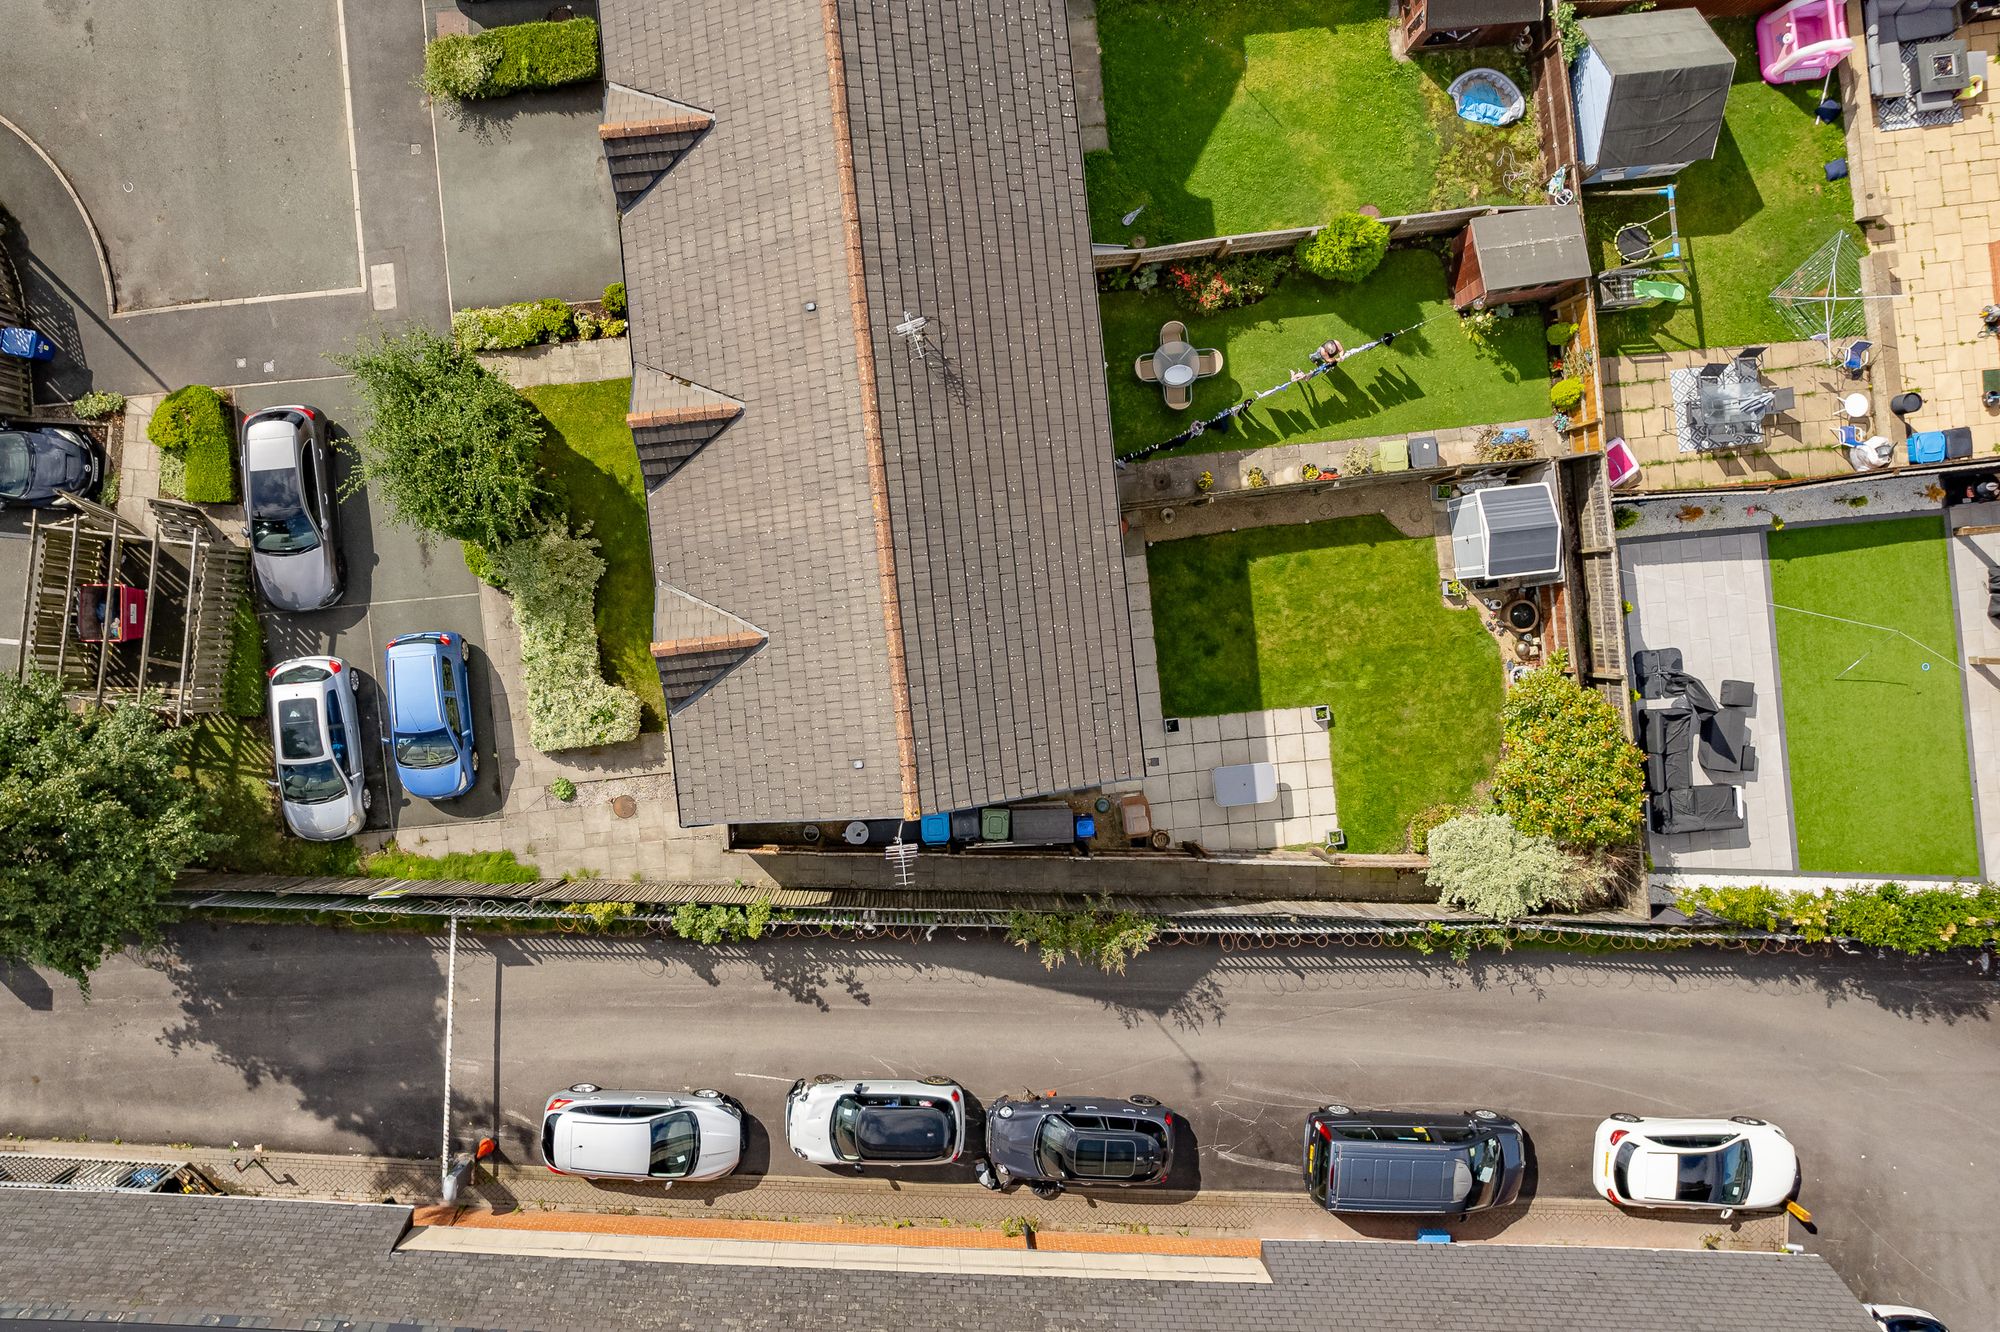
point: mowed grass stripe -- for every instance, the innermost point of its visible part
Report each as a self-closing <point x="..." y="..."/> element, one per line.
<point x="1881" y="779"/>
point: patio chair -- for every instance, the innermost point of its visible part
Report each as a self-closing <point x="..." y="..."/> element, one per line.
<point x="1713" y="370"/>
<point x="1855" y="363"/>
<point x="1207" y="361"/>
<point x="1173" y="331"/>
<point x="1753" y="356"/>
<point x="1144" y="368"/>
<point x="1179" y="398"/>
<point x="1782" y="400"/>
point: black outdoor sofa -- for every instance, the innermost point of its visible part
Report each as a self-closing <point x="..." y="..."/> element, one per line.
<point x="1698" y="725"/>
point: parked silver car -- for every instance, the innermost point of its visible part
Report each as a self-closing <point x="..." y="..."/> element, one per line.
<point x="891" y="1122"/>
<point x="641" y="1135"/>
<point x="289" y="508"/>
<point x="316" y="736"/>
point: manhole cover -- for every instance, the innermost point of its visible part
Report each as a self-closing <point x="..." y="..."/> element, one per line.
<point x="624" y="806"/>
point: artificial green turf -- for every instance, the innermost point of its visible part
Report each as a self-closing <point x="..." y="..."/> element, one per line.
<point x="1230" y="116"/>
<point x="1881" y="782"/>
<point x="1345" y="613"/>
<point x="1426" y="380"/>
<point x="590" y="461"/>
<point x="1748" y="217"/>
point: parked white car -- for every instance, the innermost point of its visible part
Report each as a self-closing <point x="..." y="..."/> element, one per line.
<point x="893" y="1122"/>
<point x="1902" y="1318"/>
<point x="316" y="736"/>
<point x="652" y="1136"/>
<point x="1709" y="1164"/>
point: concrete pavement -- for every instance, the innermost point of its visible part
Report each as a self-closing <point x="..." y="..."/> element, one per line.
<point x="1882" y="1072"/>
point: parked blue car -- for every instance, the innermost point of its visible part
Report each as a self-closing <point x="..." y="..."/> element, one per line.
<point x="430" y="715"/>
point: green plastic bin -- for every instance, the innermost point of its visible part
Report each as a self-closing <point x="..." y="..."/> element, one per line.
<point x="995" y="824"/>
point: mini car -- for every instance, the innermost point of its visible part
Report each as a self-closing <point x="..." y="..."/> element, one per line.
<point x="1902" y="1318"/>
<point x="642" y="1135"/>
<point x="1414" y="1162"/>
<point x="315" y="734"/>
<point x="894" y="1122"/>
<point x="430" y="714"/>
<point x="289" y="510"/>
<point x="1711" y="1164"/>
<point x="1054" y="1142"/>
<point x="38" y="461"/>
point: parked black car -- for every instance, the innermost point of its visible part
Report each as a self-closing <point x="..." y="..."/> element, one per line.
<point x="1082" y="1141"/>
<point x="1412" y="1161"/>
<point x="38" y="461"/>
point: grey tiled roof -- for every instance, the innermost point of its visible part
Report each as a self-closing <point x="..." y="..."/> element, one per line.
<point x="969" y="211"/>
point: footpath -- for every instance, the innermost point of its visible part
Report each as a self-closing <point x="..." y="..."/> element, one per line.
<point x="531" y="1209"/>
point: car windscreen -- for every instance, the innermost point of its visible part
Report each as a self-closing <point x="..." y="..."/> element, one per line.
<point x="425" y="749"/>
<point x="298" y="729"/>
<point x="1487" y="1169"/>
<point x="311" y="783"/>
<point x="1319" y="1155"/>
<point x="890" y="1130"/>
<point x="16" y="463"/>
<point x="1730" y="1177"/>
<point x="676" y="1146"/>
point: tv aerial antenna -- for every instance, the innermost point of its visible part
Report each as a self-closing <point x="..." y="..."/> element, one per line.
<point x="911" y="330"/>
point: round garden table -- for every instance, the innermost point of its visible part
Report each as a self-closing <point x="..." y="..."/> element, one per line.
<point x="1174" y="363"/>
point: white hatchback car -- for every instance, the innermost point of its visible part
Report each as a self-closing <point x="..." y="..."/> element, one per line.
<point x="1711" y="1164"/>
<point x="894" y="1122"/>
<point x="1902" y="1318"/>
<point x="316" y="735"/>
<point x="652" y="1136"/>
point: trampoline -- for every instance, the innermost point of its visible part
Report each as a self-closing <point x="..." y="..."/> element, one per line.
<point x="1487" y="97"/>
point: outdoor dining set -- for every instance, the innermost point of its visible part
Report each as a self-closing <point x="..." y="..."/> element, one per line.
<point x="1176" y="364"/>
<point x="1724" y="404"/>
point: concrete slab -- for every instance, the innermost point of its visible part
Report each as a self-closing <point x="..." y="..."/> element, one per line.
<point x="1710" y="597"/>
<point x="1973" y="557"/>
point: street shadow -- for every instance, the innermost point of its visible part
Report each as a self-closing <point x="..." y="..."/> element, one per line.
<point x="27" y="985"/>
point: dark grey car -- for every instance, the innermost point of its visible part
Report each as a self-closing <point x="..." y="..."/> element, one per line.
<point x="1054" y="1142"/>
<point x="1414" y="1162"/>
<point x="288" y="503"/>
<point x="38" y="461"/>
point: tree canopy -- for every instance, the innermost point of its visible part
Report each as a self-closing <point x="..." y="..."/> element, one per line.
<point x="451" y="445"/>
<point x="1566" y="769"/>
<point x="94" y="825"/>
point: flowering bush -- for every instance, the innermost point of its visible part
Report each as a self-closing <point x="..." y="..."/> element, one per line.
<point x="1206" y="286"/>
<point x="552" y="579"/>
<point x="1566" y="769"/>
<point x="1907" y="920"/>
<point x="1484" y="864"/>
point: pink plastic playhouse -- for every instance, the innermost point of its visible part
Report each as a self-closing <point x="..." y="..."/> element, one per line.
<point x="1802" y="39"/>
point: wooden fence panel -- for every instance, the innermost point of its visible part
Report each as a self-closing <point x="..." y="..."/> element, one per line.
<point x="1410" y="226"/>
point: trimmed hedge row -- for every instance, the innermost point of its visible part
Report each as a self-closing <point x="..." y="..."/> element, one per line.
<point x="194" y="425"/>
<point x="1888" y="915"/>
<point x="526" y="323"/>
<point x="519" y="57"/>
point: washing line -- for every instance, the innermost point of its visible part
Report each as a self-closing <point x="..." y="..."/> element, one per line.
<point x="1863" y="624"/>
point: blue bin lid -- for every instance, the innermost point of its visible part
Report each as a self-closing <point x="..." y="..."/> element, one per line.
<point x="936" y="827"/>
<point x="1086" y="826"/>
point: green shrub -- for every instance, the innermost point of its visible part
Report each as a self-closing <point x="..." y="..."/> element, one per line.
<point x="1566" y="769"/>
<point x="1624" y="516"/>
<point x="1560" y="334"/>
<point x="614" y="300"/>
<point x="1101" y="937"/>
<point x="1484" y="864"/>
<point x="611" y="328"/>
<point x="1425" y="823"/>
<point x="243" y="681"/>
<point x="1347" y="249"/>
<point x="535" y="56"/>
<point x="96" y="405"/>
<point x="504" y="327"/>
<point x="713" y="924"/>
<point x="1569" y="31"/>
<point x="392" y="862"/>
<point x="603" y="914"/>
<point x="563" y="789"/>
<point x="588" y="326"/>
<point x="1565" y="394"/>
<point x="194" y="423"/>
<point x="552" y="579"/>
<point x="173" y="476"/>
<point x="1889" y="915"/>
<point x="458" y="66"/>
<point x="479" y="564"/>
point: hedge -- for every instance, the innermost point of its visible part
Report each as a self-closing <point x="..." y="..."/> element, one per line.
<point x="194" y="424"/>
<point x="552" y="580"/>
<point x="518" y="57"/>
<point x="1888" y="915"/>
<point x="243" y="681"/>
<point x="522" y="324"/>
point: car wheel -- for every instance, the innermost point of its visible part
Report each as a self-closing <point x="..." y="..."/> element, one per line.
<point x="1338" y="1110"/>
<point x="708" y="1093"/>
<point x="1745" y="1119"/>
<point x="1046" y="1190"/>
<point x="1140" y="1098"/>
<point x="934" y="1080"/>
<point x="585" y="1087"/>
<point x="1625" y="1118"/>
<point x="1485" y="1114"/>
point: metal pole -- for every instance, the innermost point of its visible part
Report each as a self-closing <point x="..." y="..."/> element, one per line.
<point x="450" y="977"/>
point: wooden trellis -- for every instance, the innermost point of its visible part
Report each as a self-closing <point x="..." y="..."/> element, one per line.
<point x="191" y="579"/>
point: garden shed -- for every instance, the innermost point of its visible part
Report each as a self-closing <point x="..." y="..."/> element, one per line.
<point x="1444" y="23"/>
<point x="1650" y="91"/>
<point x="1507" y="534"/>
<point x="1526" y="254"/>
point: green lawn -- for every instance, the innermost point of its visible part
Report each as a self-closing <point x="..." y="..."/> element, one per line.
<point x="1246" y="115"/>
<point x="1748" y="217"/>
<point x="590" y="461"/>
<point x="230" y="761"/>
<point x="1426" y="380"/>
<point x="1345" y="613"/>
<point x="1881" y="781"/>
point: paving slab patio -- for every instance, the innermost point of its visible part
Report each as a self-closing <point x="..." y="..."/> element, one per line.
<point x="1710" y="596"/>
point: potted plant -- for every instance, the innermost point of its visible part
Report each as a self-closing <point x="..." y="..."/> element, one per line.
<point x="1310" y="472"/>
<point x="1205" y="482"/>
<point x="1255" y="478"/>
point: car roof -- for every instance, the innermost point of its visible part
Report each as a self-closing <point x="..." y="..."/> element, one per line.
<point x="416" y="700"/>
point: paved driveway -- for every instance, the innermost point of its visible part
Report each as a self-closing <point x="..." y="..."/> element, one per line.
<point x="13" y="569"/>
<point x="396" y="584"/>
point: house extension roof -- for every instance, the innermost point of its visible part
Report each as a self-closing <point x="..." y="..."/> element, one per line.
<point x="889" y="563"/>
<point x="1670" y="77"/>
<point x="1477" y="13"/>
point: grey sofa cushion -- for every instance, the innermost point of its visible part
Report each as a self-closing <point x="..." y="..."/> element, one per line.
<point x="1911" y="20"/>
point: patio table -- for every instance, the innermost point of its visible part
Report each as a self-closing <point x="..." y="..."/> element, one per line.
<point x="1174" y="362"/>
<point x="1246" y="784"/>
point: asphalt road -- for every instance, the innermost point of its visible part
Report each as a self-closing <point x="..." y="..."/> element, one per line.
<point x="1883" y="1073"/>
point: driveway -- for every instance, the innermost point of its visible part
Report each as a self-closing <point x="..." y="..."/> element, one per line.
<point x="397" y="583"/>
<point x="13" y="570"/>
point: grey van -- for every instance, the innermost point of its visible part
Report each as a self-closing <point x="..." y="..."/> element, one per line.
<point x="1413" y="1162"/>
